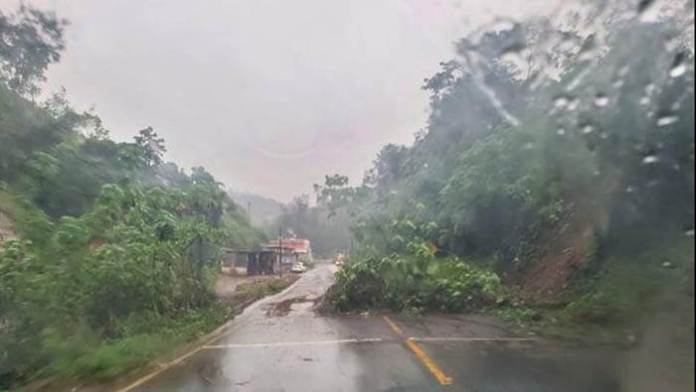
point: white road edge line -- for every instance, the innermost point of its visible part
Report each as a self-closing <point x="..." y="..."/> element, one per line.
<point x="459" y="339"/>
<point x="282" y="344"/>
<point x="365" y="340"/>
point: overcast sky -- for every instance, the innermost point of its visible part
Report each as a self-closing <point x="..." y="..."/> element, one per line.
<point x="268" y="95"/>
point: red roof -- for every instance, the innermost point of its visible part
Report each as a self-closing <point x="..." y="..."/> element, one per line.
<point x="296" y="244"/>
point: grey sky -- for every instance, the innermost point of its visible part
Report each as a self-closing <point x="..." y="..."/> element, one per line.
<point x="268" y="95"/>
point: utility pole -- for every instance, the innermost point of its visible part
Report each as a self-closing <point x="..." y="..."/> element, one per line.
<point x="280" y="250"/>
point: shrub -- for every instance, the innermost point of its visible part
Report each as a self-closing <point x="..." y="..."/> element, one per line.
<point x="414" y="282"/>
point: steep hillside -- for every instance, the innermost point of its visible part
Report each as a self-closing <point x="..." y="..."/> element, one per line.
<point x="6" y="227"/>
<point x="575" y="191"/>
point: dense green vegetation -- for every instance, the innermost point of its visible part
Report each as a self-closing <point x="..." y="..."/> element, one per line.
<point x="568" y="179"/>
<point x="415" y="281"/>
<point x="112" y="252"/>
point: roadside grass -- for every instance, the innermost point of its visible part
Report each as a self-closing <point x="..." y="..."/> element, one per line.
<point x="85" y="358"/>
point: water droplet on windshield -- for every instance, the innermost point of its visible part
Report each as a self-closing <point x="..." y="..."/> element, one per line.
<point x="560" y="102"/>
<point x="587" y="51"/>
<point x="678" y="66"/>
<point x="501" y="25"/>
<point x="650" y="159"/>
<point x="601" y="100"/>
<point x="561" y="131"/>
<point x="515" y="47"/>
<point x="572" y="105"/>
<point x="647" y="11"/>
<point x="678" y="71"/>
<point x="666" y="120"/>
<point x="587" y="129"/>
<point x="516" y="61"/>
<point x="644" y="5"/>
<point x="623" y="71"/>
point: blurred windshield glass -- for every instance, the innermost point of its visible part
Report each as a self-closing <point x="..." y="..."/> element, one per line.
<point x="347" y="195"/>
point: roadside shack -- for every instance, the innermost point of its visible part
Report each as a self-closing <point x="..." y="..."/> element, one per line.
<point x="259" y="261"/>
<point x="274" y="257"/>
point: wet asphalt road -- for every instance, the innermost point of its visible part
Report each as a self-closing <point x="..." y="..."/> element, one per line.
<point x="280" y="344"/>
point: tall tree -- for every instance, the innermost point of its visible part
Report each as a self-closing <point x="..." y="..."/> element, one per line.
<point x="30" y="40"/>
<point x="151" y="146"/>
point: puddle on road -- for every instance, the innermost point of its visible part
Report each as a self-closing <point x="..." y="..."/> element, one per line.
<point x="300" y="306"/>
<point x="285" y="307"/>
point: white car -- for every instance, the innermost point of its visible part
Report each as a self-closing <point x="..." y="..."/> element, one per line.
<point x="298" y="267"/>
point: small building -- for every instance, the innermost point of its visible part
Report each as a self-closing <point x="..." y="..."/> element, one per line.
<point x="251" y="261"/>
<point x="273" y="257"/>
<point x="291" y="250"/>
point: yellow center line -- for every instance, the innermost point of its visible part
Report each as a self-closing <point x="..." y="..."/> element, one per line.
<point x="439" y="375"/>
<point x="394" y="327"/>
<point x="424" y="358"/>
